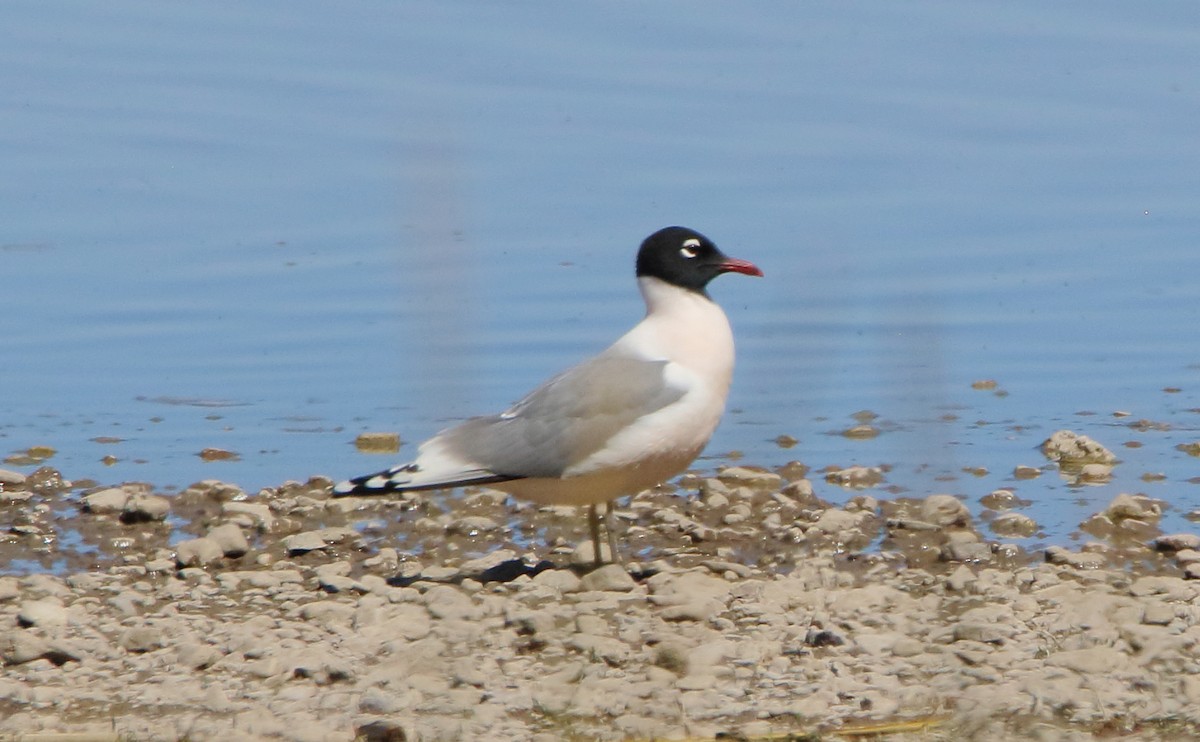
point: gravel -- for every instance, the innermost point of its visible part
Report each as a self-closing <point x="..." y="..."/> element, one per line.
<point x="281" y="615"/>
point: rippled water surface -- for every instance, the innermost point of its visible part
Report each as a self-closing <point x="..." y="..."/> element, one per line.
<point x="266" y="228"/>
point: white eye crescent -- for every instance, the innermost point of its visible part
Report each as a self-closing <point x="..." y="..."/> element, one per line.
<point x="691" y="248"/>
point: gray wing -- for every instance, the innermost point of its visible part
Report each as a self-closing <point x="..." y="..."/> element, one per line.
<point x="565" y="420"/>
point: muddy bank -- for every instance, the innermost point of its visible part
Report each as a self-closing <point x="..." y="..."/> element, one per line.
<point x="748" y="607"/>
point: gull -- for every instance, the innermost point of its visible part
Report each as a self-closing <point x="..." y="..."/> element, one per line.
<point x="625" y="420"/>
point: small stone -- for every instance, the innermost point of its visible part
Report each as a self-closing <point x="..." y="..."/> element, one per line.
<point x="743" y="476"/>
<point x="106" y="501"/>
<point x="197" y="552"/>
<point x="301" y="543"/>
<point x="859" y="477"/>
<point x="1079" y="560"/>
<point x="945" y="510"/>
<point x="1095" y="473"/>
<point x="1158" y="614"/>
<point x="1026" y="472"/>
<point x="610" y="577"/>
<point x="966" y="551"/>
<point x="449" y="602"/>
<point x="9" y="478"/>
<point x="42" y="613"/>
<point x="19" y="647"/>
<point x="214" y="490"/>
<point x="144" y="508"/>
<point x="1178" y="542"/>
<point x="961" y="578"/>
<point x="1191" y="571"/>
<point x="1191" y="449"/>
<point x="834" y="521"/>
<point x="196" y="656"/>
<point x="139" y="639"/>
<point x="218" y="454"/>
<point x="1183" y="556"/>
<point x="378" y="442"/>
<point x="1135" y="507"/>
<point x="257" y="514"/>
<point x="696" y="610"/>
<point x="978" y="632"/>
<point x="801" y="493"/>
<point x="230" y="538"/>
<point x="563" y="580"/>
<point x="1000" y="499"/>
<point x="1068" y="447"/>
<point x="861" y="432"/>
<point x="1016" y="525"/>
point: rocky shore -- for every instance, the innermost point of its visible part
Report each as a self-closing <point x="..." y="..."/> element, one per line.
<point x="747" y="609"/>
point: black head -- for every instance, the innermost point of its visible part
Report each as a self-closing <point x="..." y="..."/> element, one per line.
<point x="685" y="258"/>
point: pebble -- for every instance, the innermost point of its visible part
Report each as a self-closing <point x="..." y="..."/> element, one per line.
<point x="250" y="514"/>
<point x="43" y="613"/>
<point x="945" y="510"/>
<point x="1016" y="525"/>
<point x="106" y="501"/>
<point x="141" y="508"/>
<point x="19" y="647"/>
<point x="1068" y="447"/>
<point x="301" y="543"/>
<point x="1139" y="507"/>
<point x="1079" y="560"/>
<point x="230" y="539"/>
<point x="747" y="477"/>
<point x="9" y="478"/>
<point x="141" y="639"/>
<point x="198" y="552"/>
<point x="608" y="578"/>
<point x="1178" y="542"/>
<point x="859" y="477"/>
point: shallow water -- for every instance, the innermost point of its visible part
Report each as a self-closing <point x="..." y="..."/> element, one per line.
<point x="265" y="229"/>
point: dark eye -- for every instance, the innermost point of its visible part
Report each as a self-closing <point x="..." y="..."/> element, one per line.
<point x="690" y="249"/>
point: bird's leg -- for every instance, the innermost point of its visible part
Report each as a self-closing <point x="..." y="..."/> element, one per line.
<point x="608" y="528"/>
<point x="594" y="525"/>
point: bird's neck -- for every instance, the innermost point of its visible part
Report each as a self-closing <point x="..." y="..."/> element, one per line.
<point x="687" y="327"/>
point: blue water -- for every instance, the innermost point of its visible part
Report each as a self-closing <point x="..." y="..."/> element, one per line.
<point x="268" y="227"/>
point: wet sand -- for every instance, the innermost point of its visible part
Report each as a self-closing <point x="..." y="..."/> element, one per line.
<point x="747" y="608"/>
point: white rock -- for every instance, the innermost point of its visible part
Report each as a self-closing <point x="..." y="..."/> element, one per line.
<point x="610" y="577"/>
<point x="197" y="552"/>
<point x="106" y="501"/>
<point x="1016" y="525"/>
<point x="230" y="538"/>
<point x="42" y="613"/>
<point x="13" y="478"/>
<point x="945" y="510"/>
<point x="1178" y="542"/>
<point x="748" y="477"/>
<point x="1069" y="447"/>
<point x="142" y="507"/>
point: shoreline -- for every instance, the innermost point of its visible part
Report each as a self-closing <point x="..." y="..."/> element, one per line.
<point x="752" y="609"/>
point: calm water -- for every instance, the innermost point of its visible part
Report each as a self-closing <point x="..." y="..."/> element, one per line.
<point x="266" y="228"/>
